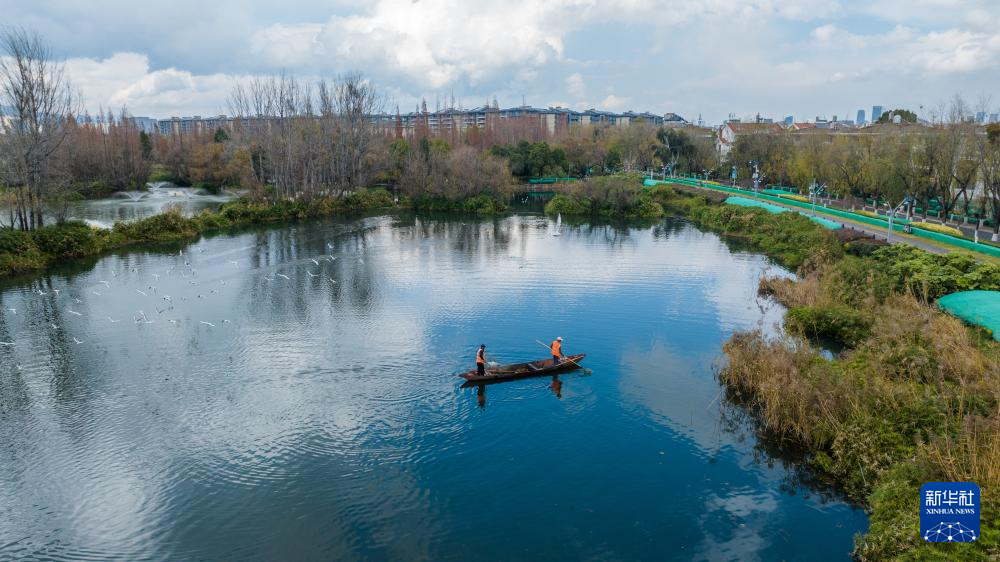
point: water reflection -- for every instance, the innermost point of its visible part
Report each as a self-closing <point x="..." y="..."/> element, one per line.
<point x="296" y="397"/>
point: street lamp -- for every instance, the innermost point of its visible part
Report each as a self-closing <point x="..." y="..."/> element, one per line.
<point x="906" y="200"/>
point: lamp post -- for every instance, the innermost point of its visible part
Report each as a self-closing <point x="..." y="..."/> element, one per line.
<point x="892" y="215"/>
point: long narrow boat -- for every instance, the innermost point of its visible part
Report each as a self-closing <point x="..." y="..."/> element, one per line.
<point x="523" y="370"/>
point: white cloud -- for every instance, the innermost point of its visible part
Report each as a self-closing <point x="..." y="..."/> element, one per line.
<point x="613" y="102"/>
<point x="776" y="56"/>
<point x="126" y="80"/>
<point x="575" y="85"/>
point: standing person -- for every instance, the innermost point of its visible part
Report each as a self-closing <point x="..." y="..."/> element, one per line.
<point x="556" y="348"/>
<point x="481" y="360"/>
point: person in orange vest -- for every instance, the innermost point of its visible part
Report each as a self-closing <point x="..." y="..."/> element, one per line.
<point x="556" y="348"/>
<point x="481" y="360"/>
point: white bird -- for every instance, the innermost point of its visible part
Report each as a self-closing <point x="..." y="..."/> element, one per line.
<point x="105" y="283"/>
<point x="172" y="321"/>
<point x="96" y="293"/>
<point x="112" y="320"/>
<point x="283" y="276"/>
<point x="180" y="252"/>
<point x="266" y="278"/>
<point x="78" y="301"/>
<point x="40" y="292"/>
<point x="7" y="343"/>
<point x="73" y="312"/>
<point x="141" y="293"/>
<point x="332" y="258"/>
<point x="235" y="262"/>
<point x="329" y="245"/>
<point x="208" y="323"/>
<point x="12" y="310"/>
<point x="311" y="274"/>
<point x="156" y="276"/>
<point x="56" y="291"/>
<point x="167" y="298"/>
<point x="361" y="261"/>
<point x="332" y="281"/>
<point x="314" y="261"/>
<point x="222" y="282"/>
<point x="193" y="282"/>
<point x="54" y="327"/>
<point x="226" y="322"/>
<point x="78" y="342"/>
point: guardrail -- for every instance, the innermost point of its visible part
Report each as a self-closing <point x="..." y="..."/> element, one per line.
<point x="881" y="223"/>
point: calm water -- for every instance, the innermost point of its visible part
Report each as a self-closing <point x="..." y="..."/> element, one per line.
<point x="132" y="205"/>
<point x="319" y="417"/>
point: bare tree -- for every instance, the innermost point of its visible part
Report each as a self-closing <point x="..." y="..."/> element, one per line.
<point x="35" y="88"/>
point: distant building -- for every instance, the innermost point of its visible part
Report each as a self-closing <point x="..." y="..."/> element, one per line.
<point x="981" y="117"/>
<point x="731" y="130"/>
<point x="788" y="120"/>
<point x="876" y="113"/>
<point x="145" y="124"/>
<point x="860" y="121"/>
<point x="674" y="121"/>
<point x="994" y="117"/>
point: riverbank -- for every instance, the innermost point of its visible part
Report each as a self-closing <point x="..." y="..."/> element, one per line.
<point x="23" y="252"/>
<point x="914" y="395"/>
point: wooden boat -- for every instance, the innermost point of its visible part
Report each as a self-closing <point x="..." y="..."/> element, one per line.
<point x="523" y="370"/>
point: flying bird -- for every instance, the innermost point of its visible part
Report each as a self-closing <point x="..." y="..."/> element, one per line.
<point x="208" y="323"/>
<point x="314" y="261"/>
<point x="283" y="276"/>
<point x="141" y="293"/>
<point x="112" y="320"/>
<point x="78" y="342"/>
<point x="311" y="274"/>
<point x="105" y="283"/>
<point x="7" y="343"/>
<point x="73" y="312"/>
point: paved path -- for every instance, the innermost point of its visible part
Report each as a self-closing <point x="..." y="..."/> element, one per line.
<point x="880" y="233"/>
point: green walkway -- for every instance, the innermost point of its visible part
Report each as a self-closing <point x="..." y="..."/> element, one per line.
<point x="981" y="308"/>
<point x="775" y="209"/>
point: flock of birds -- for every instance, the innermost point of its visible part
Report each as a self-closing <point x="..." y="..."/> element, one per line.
<point x="163" y="303"/>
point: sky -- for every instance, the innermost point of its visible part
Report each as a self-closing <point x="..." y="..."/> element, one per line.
<point x="807" y="58"/>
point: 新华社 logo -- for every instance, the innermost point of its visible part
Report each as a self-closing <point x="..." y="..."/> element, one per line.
<point x="949" y="511"/>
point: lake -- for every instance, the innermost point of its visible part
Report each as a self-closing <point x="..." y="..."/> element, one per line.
<point x="233" y="399"/>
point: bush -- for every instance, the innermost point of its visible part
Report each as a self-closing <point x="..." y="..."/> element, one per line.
<point x="567" y="205"/>
<point x="939" y="228"/>
<point x="169" y="225"/>
<point x="68" y="240"/>
<point x="796" y="198"/>
<point x="18" y="252"/>
<point x="840" y="324"/>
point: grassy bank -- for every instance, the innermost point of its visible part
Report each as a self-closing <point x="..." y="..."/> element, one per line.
<point x="22" y="252"/>
<point x="619" y="196"/>
<point x="913" y="397"/>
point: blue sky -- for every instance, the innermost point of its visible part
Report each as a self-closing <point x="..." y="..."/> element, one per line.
<point x="807" y="58"/>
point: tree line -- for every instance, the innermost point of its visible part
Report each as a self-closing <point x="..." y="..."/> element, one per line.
<point x="952" y="166"/>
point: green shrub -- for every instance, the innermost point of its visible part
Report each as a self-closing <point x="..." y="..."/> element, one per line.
<point x="939" y="228"/>
<point x="567" y="205"/>
<point x="840" y="324"/>
<point x="169" y="225"/>
<point x="68" y="240"/>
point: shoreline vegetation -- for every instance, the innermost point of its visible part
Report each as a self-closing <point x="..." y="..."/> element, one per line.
<point x="24" y="252"/>
<point x="913" y="396"/>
